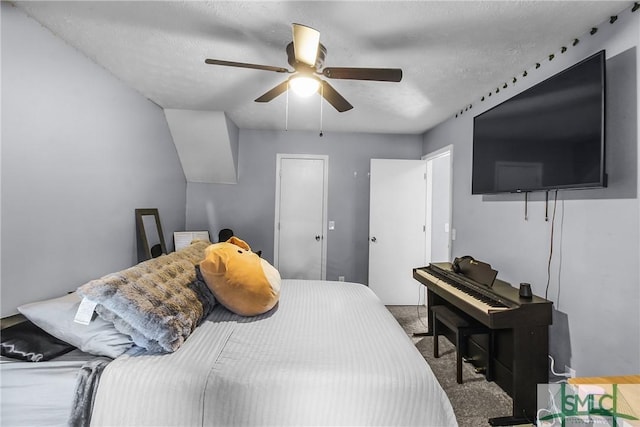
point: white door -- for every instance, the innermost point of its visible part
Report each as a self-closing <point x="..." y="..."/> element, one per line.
<point x="396" y="229"/>
<point x="301" y="209"/>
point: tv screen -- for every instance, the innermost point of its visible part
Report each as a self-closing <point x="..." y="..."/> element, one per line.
<point x="550" y="136"/>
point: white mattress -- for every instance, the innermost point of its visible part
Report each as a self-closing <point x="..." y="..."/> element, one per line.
<point x="329" y="354"/>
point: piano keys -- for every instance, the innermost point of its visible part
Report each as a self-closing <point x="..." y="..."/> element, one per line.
<point x="478" y="300"/>
<point x="519" y="326"/>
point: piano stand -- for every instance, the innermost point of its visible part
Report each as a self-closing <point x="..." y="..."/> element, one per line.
<point x="463" y="329"/>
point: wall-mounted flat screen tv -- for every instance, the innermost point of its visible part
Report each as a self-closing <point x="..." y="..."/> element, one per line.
<point x="548" y="137"/>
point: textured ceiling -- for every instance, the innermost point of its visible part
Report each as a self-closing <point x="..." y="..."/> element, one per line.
<point x="451" y="53"/>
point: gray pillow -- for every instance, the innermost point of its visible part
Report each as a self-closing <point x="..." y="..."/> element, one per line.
<point x="55" y="316"/>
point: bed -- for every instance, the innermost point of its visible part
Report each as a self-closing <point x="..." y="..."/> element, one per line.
<point x="329" y="353"/>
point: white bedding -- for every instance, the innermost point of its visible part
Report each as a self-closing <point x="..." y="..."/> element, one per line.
<point x="39" y="393"/>
<point x="329" y="354"/>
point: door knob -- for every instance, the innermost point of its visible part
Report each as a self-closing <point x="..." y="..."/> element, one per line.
<point x="373" y="239"/>
<point x="317" y="238"/>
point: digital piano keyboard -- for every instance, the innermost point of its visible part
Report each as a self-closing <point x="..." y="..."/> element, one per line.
<point x="519" y="327"/>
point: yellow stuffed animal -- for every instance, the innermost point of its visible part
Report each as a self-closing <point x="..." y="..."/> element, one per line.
<point x="240" y="280"/>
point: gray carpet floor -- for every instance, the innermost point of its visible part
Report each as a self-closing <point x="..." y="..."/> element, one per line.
<point x="474" y="401"/>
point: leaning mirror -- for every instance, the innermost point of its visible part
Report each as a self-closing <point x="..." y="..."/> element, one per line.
<point x="149" y="234"/>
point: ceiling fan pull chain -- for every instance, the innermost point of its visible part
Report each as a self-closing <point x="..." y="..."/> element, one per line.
<point x="321" y="98"/>
<point x="286" y="111"/>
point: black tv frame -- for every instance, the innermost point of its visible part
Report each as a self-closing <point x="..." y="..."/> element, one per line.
<point x="602" y="178"/>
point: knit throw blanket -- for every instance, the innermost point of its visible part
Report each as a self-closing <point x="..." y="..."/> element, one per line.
<point x="85" y="392"/>
<point x="154" y="302"/>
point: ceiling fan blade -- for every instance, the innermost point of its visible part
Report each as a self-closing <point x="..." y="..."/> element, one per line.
<point x="271" y="94"/>
<point x="245" y="65"/>
<point x="305" y="44"/>
<point x="376" y="74"/>
<point x="334" y="98"/>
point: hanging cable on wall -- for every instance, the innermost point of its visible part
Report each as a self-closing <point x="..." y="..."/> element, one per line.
<point x="546" y="205"/>
<point x="553" y="220"/>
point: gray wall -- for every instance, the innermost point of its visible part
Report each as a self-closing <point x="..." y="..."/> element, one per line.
<point x="594" y="280"/>
<point x="80" y="151"/>
<point x="249" y="206"/>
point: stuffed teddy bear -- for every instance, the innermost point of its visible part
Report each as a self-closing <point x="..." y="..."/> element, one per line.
<point x="240" y="280"/>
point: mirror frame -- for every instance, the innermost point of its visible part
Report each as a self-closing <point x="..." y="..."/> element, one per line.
<point x="144" y="251"/>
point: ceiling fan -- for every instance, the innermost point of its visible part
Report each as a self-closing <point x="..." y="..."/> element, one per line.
<point x="306" y="55"/>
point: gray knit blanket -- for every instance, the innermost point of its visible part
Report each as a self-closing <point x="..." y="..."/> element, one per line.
<point x="86" y="386"/>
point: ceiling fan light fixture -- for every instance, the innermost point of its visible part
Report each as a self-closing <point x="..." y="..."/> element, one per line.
<point x="304" y="86"/>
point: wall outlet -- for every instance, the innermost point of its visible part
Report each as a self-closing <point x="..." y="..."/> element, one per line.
<point x="570" y="371"/>
<point x="340" y="278"/>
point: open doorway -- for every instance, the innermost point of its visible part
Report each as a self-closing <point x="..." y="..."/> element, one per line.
<point x="439" y="204"/>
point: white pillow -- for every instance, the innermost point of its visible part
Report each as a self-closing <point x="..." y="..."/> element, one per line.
<point x="56" y="315"/>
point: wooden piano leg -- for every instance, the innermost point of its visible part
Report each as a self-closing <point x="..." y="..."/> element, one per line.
<point x="434" y="330"/>
<point x="489" y="373"/>
<point x="530" y="368"/>
<point x="429" y="331"/>
<point x="461" y="348"/>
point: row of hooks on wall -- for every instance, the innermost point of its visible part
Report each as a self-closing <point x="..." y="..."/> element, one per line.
<point x="537" y="65"/>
